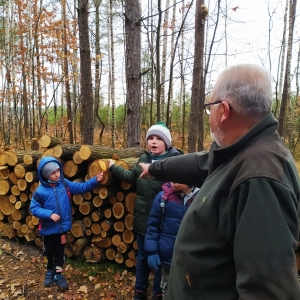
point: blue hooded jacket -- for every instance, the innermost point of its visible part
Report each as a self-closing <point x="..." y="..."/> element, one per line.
<point x="53" y="198"/>
<point x="163" y="223"/>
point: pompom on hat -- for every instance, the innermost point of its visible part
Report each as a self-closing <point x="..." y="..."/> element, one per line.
<point x="49" y="168"/>
<point x="160" y="129"/>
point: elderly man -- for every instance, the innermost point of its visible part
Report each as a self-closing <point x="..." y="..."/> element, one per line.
<point x="238" y="238"/>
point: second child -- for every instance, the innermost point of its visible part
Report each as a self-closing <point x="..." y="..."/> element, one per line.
<point x="166" y="214"/>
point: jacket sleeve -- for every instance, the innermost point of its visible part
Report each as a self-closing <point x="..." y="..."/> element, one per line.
<point x="191" y="169"/>
<point x="82" y="187"/>
<point x="129" y="176"/>
<point x="153" y="226"/>
<point x="263" y="222"/>
<point x="36" y="208"/>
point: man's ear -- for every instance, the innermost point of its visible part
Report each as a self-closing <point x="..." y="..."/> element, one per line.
<point x="225" y="112"/>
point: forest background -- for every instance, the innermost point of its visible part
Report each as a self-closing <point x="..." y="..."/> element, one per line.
<point x="103" y="71"/>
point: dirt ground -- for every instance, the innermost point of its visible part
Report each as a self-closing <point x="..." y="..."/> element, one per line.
<point x="22" y="274"/>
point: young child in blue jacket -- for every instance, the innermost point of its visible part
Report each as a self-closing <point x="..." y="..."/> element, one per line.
<point x="166" y="214"/>
<point x="51" y="203"/>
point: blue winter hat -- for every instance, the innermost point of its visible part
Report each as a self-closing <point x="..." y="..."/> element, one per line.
<point x="49" y="168"/>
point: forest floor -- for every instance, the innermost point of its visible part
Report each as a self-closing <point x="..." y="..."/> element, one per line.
<point x="22" y="274"/>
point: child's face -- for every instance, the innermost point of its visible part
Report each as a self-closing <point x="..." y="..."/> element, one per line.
<point x="179" y="187"/>
<point x="55" y="175"/>
<point x="156" y="145"/>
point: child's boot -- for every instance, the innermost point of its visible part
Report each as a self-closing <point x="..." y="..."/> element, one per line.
<point x="60" y="282"/>
<point x="48" y="281"/>
<point x="157" y="297"/>
<point x="140" y="295"/>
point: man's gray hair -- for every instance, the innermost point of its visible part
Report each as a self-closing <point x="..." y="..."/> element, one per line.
<point x="247" y="87"/>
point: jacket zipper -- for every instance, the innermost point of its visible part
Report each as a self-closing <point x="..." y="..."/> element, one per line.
<point x="58" y="207"/>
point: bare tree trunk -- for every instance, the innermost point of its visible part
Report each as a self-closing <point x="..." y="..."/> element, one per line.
<point x="164" y="59"/>
<point x="181" y="101"/>
<point x="86" y="120"/>
<point x="112" y="84"/>
<point x="287" y="79"/>
<point x="66" y="76"/>
<point x="173" y="49"/>
<point x="133" y="71"/>
<point x="98" y="69"/>
<point x="278" y="88"/>
<point x="157" y="67"/>
<point x="109" y="70"/>
<point x="195" y="115"/>
<point x="8" y="96"/>
<point x="74" y="84"/>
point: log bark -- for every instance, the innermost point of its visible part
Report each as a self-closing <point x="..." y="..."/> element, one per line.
<point x="65" y="150"/>
<point x="107" y="224"/>
<point x="97" y="215"/>
<point x="79" y="244"/>
<point x="88" y="152"/>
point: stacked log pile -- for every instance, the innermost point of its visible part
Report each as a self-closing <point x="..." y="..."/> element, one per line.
<point x="102" y="218"/>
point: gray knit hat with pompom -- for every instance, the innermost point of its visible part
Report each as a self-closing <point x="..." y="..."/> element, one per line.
<point x="160" y="129"/>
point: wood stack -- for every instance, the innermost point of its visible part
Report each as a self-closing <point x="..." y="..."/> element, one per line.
<point x="102" y="218"/>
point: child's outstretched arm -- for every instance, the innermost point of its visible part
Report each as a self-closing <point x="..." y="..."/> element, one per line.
<point x="99" y="176"/>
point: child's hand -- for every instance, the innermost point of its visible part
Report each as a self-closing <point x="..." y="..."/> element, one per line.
<point x="99" y="176"/>
<point x="55" y="217"/>
<point x="111" y="162"/>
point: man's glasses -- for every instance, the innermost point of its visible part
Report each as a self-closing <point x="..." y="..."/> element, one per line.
<point x="207" y="106"/>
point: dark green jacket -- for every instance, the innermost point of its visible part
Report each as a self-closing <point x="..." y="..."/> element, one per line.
<point x="146" y="189"/>
<point x="237" y="239"/>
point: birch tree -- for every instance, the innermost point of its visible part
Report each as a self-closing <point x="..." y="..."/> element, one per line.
<point x="287" y="83"/>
